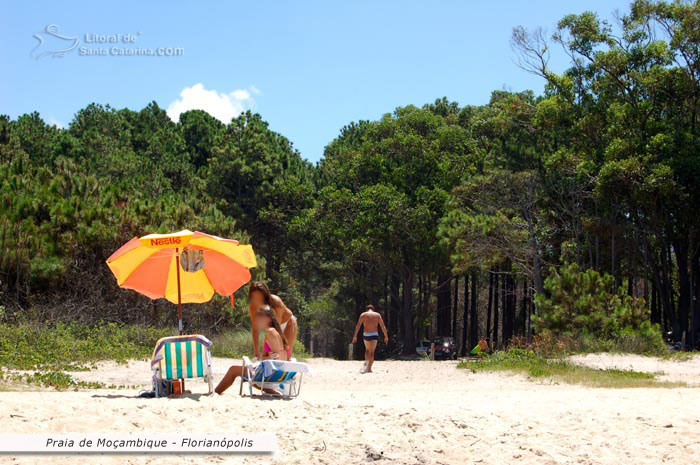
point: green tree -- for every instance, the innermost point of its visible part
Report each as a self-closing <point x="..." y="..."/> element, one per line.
<point x="587" y="303"/>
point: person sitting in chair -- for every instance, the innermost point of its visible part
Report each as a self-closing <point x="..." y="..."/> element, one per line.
<point x="275" y="346"/>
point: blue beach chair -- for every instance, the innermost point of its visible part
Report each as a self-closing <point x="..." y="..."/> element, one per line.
<point x="282" y="377"/>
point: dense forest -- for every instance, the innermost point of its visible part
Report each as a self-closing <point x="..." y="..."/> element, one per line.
<point x="529" y="213"/>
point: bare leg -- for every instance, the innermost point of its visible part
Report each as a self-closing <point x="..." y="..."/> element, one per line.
<point x="228" y="379"/>
<point x="366" y="364"/>
<point x="290" y="333"/>
<point x="370" y="346"/>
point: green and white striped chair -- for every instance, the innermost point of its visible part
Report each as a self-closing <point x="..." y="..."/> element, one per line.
<point x="181" y="357"/>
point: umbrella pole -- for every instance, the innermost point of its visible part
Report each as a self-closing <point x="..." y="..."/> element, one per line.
<point x="179" y="294"/>
<point x="179" y="304"/>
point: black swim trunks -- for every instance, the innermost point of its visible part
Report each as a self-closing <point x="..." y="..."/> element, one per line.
<point x="370" y="336"/>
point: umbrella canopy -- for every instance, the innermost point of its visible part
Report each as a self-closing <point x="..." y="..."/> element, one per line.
<point x="183" y="267"/>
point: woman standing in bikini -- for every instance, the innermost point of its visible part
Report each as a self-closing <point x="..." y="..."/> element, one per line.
<point x="259" y="295"/>
<point x="275" y="347"/>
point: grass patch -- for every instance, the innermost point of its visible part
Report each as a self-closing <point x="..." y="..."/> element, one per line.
<point x="73" y="347"/>
<point x="528" y="363"/>
<point x="678" y="356"/>
<point x="56" y="379"/>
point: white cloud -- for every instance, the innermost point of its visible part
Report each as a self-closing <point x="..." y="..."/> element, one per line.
<point x="222" y="106"/>
<point x="54" y="122"/>
<point x="241" y="95"/>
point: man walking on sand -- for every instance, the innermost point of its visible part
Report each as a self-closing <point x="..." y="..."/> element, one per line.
<point x="370" y="319"/>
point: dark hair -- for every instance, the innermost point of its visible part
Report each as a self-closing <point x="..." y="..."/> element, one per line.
<point x="262" y="288"/>
<point x="369" y="307"/>
<point x="267" y="311"/>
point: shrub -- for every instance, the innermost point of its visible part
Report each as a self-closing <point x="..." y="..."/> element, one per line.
<point x="585" y="311"/>
<point x="73" y="346"/>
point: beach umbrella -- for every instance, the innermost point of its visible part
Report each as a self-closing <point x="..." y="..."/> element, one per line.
<point x="182" y="267"/>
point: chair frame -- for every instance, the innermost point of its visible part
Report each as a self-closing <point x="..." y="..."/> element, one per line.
<point x="208" y="374"/>
<point x="248" y="376"/>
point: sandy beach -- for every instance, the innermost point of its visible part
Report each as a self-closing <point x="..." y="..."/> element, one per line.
<point x="407" y="412"/>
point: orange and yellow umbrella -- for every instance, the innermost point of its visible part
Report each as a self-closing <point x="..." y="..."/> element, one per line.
<point x="183" y="267"/>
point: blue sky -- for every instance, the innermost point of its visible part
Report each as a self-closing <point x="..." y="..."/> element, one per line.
<point x="309" y="67"/>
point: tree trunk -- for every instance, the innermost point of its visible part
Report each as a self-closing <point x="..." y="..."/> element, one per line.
<point x="444" y="304"/>
<point x="613" y="264"/>
<point x="474" y="316"/>
<point x="508" y="300"/>
<point x="426" y="292"/>
<point x="681" y="250"/>
<point x="455" y="309"/>
<point x="409" y="340"/>
<point x="664" y="288"/>
<point x="505" y="303"/>
<point x="421" y="301"/>
<point x="670" y="306"/>
<point x="395" y="304"/>
<point x="386" y="300"/>
<point x="695" y="305"/>
<point x="358" y="350"/>
<point x="630" y="286"/>
<point x="489" y="330"/>
<point x="464" y="343"/>
<point x="496" y="316"/>
<point x="523" y="309"/>
<point x="655" y="314"/>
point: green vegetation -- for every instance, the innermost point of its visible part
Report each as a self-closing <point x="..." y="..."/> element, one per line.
<point x="549" y="345"/>
<point x="586" y="307"/>
<point x="237" y="343"/>
<point x="47" y="352"/>
<point x="644" y="342"/>
<point x="73" y="347"/>
<point x="71" y="197"/>
<point x="453" y="220"/>
<point x="54" y="379"/>
<point x="537" y="367"/>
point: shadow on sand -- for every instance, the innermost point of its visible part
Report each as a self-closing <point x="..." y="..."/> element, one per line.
<point x="196" y="397"/>
<point x="138" y="396"/>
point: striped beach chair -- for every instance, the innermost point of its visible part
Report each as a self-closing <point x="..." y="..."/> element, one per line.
<point x="181" y="357"/>
<point x="282" y="377"/>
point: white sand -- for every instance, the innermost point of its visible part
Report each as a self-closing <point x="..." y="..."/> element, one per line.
<point x="405" y="413"/>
